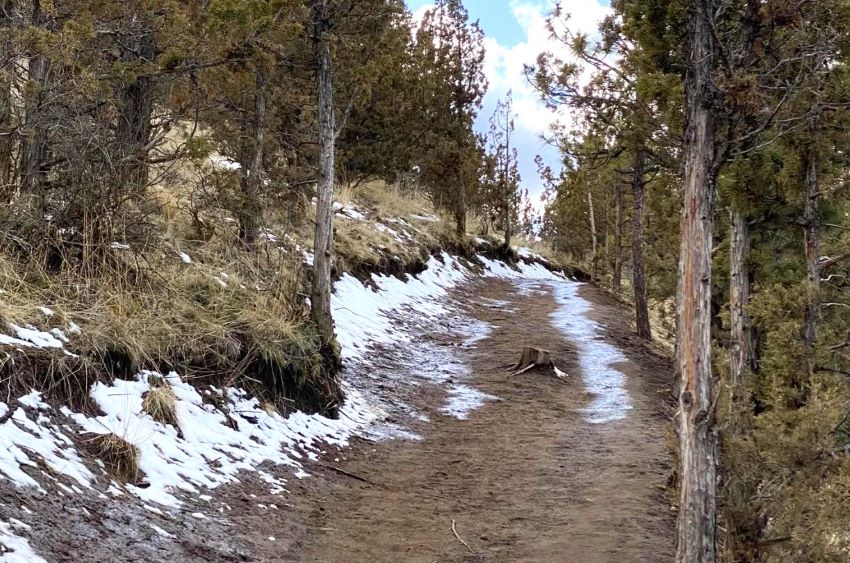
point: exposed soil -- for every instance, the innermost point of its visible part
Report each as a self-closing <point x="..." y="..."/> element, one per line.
<point x="524" y="478"/>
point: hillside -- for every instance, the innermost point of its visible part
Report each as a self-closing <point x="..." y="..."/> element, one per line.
<point x="336" y="280"/>
<point x="134" y="406"/>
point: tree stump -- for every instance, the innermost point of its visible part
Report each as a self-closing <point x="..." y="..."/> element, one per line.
<point x="532" y="357"/>
<point x="536" y="357"/>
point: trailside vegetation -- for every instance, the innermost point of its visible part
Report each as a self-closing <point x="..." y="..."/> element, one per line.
<point x="711" y="135"/>
<point x="165" y="166"/>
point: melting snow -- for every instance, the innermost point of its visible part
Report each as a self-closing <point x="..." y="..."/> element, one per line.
<point x="426" y="218"/>
<point x="223" y="162"/>
<point x="464" y="399"/>
<point x="211" y="453"/>
<point x="21" y="438"/>
<point x="348" y="211"/>
<point x="597" y="358"/>
<point x="363" y="315"/>
<point x="17" y="549"/>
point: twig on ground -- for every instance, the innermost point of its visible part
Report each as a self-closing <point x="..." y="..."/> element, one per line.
<point x="350" y="475"/>
<point x="523" y="370"/>
<point x="454" y="531"/>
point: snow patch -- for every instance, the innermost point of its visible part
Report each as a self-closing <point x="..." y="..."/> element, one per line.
<point x="425" y="218"/>
<point x="22" y="439"/>
<point x="597" y="358"/>
<point x="363" y="315"/>
<point x="464" y="399"/>
<point x="210" y="452"/>
<point x="16" y="549"/>
<point x="348" y="211"/>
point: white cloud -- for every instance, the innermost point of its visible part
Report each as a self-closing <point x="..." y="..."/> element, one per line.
<point x="419" y="13"/>
<point x="504" y="64"/>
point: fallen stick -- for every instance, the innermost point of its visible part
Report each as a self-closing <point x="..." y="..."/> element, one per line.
<point x="563" y="376"/>
<point x="523" y="370"/>
<point x="454" y="531"/>
<point x="347" y="474"/>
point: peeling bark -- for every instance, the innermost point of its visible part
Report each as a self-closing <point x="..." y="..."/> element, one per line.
<point x="696" y="527"/>
<point x="320" y="295"/>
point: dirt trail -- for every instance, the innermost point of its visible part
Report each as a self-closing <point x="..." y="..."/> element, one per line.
<point x="525" y="478"/>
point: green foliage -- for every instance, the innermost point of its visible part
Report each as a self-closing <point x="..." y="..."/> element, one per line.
<point x="450" y="50"/>
<point x="780" y="95"/>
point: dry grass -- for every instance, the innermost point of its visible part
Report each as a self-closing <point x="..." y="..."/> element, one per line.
<point x="387" y="200"/>
<point x="270" y="408"/>
<point x="221" y="317"/>
<point x="120" y="457"/>
<point x="160" y="403"/>
<point x="229" y="317"/>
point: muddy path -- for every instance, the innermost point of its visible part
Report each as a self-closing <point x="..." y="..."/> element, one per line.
<point x="527" y="477"/>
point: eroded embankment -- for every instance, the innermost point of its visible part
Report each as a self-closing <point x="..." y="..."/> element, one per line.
<point x="226" y="445"/>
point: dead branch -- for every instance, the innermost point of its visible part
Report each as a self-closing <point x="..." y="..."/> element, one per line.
<point x="349" y="475"/>
<point x="454" y="531"/>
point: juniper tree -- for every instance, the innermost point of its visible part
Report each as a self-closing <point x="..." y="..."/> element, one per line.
<point x="504" y="177"/>
<point x="450" y="55"/>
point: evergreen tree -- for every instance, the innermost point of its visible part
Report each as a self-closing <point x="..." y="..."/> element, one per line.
<point x="504" y="175"/>
<point x="450" y="52"/>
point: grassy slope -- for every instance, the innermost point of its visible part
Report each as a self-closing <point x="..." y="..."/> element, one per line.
<point x="207" y="308"/>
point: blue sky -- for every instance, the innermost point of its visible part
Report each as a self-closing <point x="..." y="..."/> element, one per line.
<point x="516" y="34"/>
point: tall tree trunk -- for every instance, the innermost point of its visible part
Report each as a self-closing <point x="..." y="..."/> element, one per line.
<point x="696" y="527"/>
<point x="739" y="295"/>
<point x="252" y="183"/>
<point x="34" y="145"/>
<point x="133" y="130"/>
<point x="594" y="257"/>
<point x="508" y="214"/>
<point x="616" y="282"/>
<point x="460" y="212"/>
<point x="6" y="107"/>
<point x="811" y="235"/>
<point x="606" y="232"/>
<point x="638" y="272"/>
<point x="509" y="186"/>
<point x="320" y="295"/>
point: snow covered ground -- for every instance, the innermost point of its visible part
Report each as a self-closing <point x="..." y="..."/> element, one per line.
<point x="214" y="446"/>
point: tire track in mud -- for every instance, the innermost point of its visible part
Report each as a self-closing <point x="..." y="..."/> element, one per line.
<point x="527" y="477"/>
